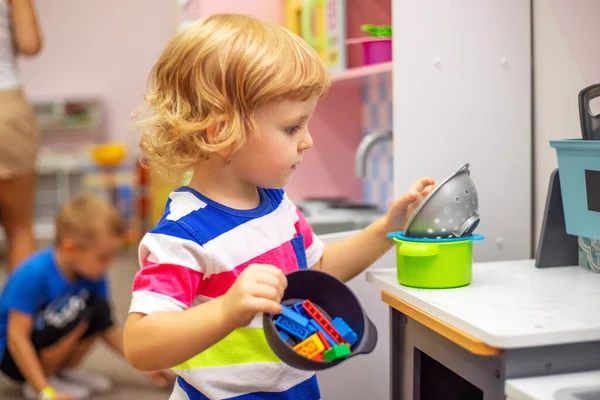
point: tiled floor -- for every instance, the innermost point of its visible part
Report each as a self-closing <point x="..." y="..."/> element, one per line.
<point x="129" y="383"/>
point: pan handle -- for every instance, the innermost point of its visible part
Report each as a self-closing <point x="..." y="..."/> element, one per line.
<point x="590" y="124"/>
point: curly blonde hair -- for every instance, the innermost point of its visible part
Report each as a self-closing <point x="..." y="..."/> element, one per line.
<point x="217" y="72"/>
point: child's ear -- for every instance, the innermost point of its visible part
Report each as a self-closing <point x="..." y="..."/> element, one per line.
<point x="68" y="245"/>
<point x="211" y="134"/>
<point x="214" y="129"/>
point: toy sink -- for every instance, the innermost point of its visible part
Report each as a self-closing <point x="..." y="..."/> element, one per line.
<point x="333" y="298"/>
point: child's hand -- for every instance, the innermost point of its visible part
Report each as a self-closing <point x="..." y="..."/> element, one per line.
<point x="259" y="288"/>
<point x="401" y="210"/>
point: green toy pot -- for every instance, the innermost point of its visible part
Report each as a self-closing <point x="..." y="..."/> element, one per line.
<point x="434" y="263"/>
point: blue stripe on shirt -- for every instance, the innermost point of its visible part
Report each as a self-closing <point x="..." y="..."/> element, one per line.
<point x="307" y="390"/>
<point x="215" y="219"/>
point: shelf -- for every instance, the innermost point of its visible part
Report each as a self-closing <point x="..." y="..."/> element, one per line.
<point x="42" y="230"/>
<point x="360" y="72"/>
<point x="63" y="162"/>
<point x="69" y="115"/>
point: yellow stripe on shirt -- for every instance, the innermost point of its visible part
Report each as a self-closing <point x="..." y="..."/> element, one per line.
<point x="242" y="346"/>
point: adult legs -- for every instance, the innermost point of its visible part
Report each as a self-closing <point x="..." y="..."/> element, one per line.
<point x="16" y="216"/>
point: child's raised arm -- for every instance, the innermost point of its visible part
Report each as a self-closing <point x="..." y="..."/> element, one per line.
<point x="347" y="258"/>
<point x="163" y="340"/>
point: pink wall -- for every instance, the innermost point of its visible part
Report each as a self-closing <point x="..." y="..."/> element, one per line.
<point x="106" y="48"/>
<point x="101" y="48"/>
<point x="328" y="168"/>
<point x="270" y="10"/>
<point x="338" y="120"/>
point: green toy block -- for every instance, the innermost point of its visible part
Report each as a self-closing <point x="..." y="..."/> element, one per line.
<point x="337" y="351"/>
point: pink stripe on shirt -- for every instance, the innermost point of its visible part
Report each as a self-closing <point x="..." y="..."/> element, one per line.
<point x="303" y="228"/>
<point x="174" y="281"/>
<point x="283" y="257"/>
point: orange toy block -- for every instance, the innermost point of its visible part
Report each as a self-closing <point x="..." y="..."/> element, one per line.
<point x="310" y="347"/>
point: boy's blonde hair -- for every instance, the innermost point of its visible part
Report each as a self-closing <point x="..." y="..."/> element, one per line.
<point x="215" y="73"/>
<point x="85" y="217"/>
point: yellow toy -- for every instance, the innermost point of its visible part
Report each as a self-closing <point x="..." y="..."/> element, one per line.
<point x="310" y="347"/>
<point x="108" y="157"/>
<point x="109" y="154"/>
<point x="322" y="24"/>
<point x="116" y="180"/>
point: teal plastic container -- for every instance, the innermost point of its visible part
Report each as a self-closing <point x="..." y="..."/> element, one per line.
<point x="579" y="173"/>
<point x="434" y="263"/>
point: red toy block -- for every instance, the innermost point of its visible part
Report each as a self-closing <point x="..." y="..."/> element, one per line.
<point x="318" y="357"/>
<point x="324" y="340"/>
<point x="321" y="320"/>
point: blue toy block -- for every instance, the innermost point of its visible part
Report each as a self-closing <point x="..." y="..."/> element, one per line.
<point x="347" y="333"/>
<point x="300" y="310"/>
<point x="319" y="328"/>
<point x="292" y="328"/>
<point x="294" y="316"/>
<point x="284" y="336"/>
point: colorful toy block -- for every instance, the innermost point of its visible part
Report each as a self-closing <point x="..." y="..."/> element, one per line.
<point x="324" y="340"/>
<point x="283" y="335"/>
<point x="312" y="335"/>
<point x="294" y="316"/>
<point x="310" y="347"/>
<point x="292" y="328"/>
<point x="286" y="338"/>
<point x="347" y="333"/>
<point x="321" y="320"/>
<point x="300" y="310"/>
<point x="318" y="328"/>
<point x="337" y="352"/>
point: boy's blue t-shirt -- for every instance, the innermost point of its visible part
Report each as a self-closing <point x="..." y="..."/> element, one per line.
<point x="37" y="283"/>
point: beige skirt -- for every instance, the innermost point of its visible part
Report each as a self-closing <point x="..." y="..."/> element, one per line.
<point x="19" y="135"/>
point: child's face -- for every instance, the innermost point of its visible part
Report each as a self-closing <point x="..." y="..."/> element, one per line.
<point x="93" y="261"/>
<point x="268" y="159"/>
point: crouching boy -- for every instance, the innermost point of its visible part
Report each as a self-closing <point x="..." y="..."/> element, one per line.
<point x="56" y="305"/>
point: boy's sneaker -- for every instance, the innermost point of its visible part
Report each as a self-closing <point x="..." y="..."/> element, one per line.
<point x="79" y="392"/>
<point x="94" y="382"/>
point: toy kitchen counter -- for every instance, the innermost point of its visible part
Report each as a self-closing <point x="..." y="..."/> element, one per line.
<point x="513" y="321"/>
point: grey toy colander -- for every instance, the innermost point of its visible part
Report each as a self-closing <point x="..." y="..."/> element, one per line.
<point x="449" y="211"/>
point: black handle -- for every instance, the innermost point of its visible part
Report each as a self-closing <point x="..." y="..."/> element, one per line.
<point x="590" y="124"/>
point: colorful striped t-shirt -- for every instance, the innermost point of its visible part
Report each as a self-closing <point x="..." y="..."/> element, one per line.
<point x="194" y="255"/>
